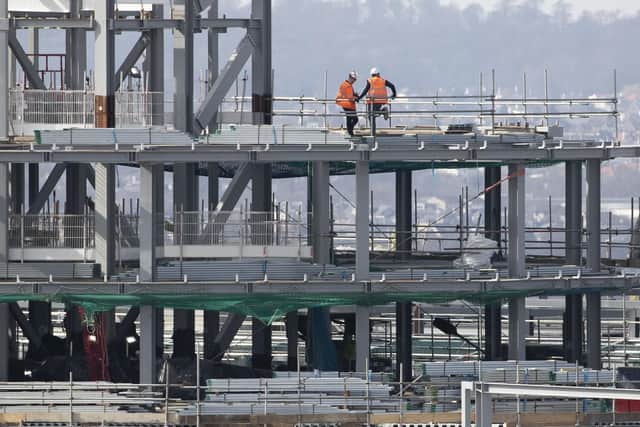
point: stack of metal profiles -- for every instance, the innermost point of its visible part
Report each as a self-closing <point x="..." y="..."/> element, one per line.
<point x="304" y="394"/>
<point x="78" y="136"/>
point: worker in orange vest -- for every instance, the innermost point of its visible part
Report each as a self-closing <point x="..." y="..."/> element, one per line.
<point x="377" y="97"/>
<point x="347" y="98"/>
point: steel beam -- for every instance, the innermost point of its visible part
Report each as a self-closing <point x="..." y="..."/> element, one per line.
<point x="227" y="333"/>
<point x="105" y="213"/>
<point x="27" y="66"/>
<point x="27" y="329"/>
<point x="594" y="335"/>
<point x="261" y="70"/>
<point x="130" y="60"/>
<point x="43" y="195"/>
<point x="209" y="107"/>
<point x="517" y="259"/>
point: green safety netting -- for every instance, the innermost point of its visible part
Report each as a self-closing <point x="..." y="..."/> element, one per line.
<point x="268" y="307"/>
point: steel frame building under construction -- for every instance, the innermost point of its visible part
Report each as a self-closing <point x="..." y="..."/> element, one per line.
<point x="200" y="143"/>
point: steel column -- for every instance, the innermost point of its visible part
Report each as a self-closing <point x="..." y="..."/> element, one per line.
<point x="362" y="261"/>
<point x="105" y="214"/>
<point x="404" y="349"/>
<point x="260" y="345"/>
<point x="76" y="185"/>
<point x="151" y="184"/>
<point x="76" y="48"/>
<point x="154" y="68"/>
<point x="593" y="262"/>
<point x="17" y="187"/>
<point x="213" y="57"/>
<point x="320" y="207"/>
<point x="4" y="207"/>
<point x="261" y="202"/>
<point x="4" y="184"/>
<point x="403" y="214"/>
<point x="517" y="259"/>
<point x="211" y="317"/>
<point x="261" y="72"/>
<point x="492" y="227"/>
<point x="573" y="330"/>
<point x="148" y="344"/>
<point x="34" y="182"/>
<point x="183" y="66"/>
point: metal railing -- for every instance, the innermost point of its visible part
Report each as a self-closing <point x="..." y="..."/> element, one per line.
<point x="282" y="228"/>
<point x="182" y="228"/>
<point x="50" y="107"/>
<point x="76" y="108"/>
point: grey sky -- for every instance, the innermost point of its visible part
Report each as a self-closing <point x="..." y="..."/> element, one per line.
<point x="578" y="6"/>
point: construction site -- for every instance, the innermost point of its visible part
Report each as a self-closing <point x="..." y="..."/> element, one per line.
<point x="209" y="298"/>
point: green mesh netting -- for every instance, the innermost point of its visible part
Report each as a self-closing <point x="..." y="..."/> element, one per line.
<point x="268" y="307"/>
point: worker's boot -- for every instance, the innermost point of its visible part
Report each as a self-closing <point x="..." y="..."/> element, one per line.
<point x="385" y="113"/>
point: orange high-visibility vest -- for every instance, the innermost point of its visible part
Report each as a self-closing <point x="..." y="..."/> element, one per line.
<point x="377" y="91"/>
<point x="345" y="96"/>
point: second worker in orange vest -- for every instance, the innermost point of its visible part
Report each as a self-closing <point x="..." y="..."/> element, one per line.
<point x="376" y="93"/>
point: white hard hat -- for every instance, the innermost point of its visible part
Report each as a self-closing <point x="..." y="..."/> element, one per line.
<point x="353" y="75"/>
<point x="374" y="71"/>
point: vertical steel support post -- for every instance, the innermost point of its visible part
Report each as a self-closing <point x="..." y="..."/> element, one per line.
<point x="151" y="186"/>
<point x="154" y="68"/>
<point x="105" y="118"/>
<point x="573" y="330"/>
<point x="185" y="178"/>
<point x="213" y="57"/>
<point x="517" y="259"/>
<point x="362" y="261"/>
<point x="321" y="350"/>
<point x="403" y="252"/>
<point x="593" y="262"/>
<point x="261" y="202"/>
<point x="4" y="181"/>
<point x="261" y="72"/>
<point x="492" y="226"/>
